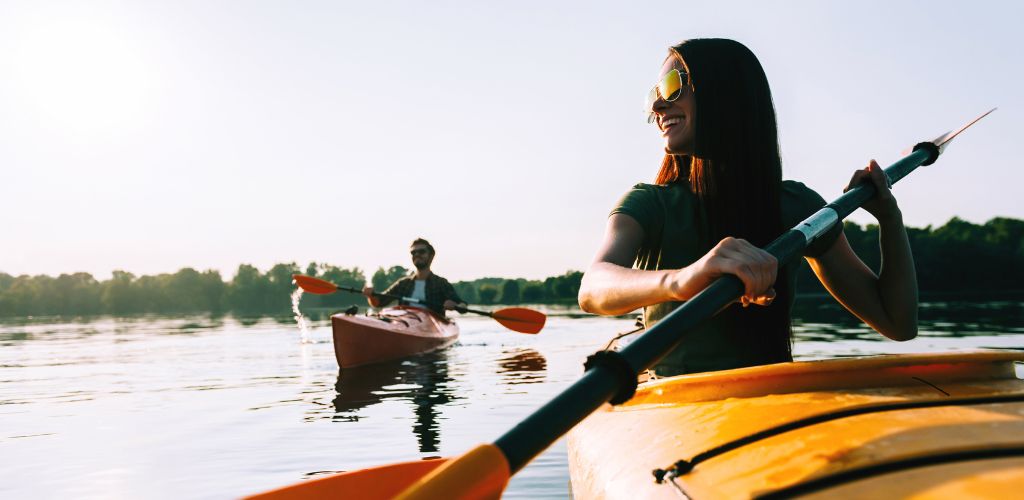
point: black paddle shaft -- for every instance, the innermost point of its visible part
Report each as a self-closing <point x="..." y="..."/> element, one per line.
<point x="611" y="376"/>
<point x="410" y="299"/>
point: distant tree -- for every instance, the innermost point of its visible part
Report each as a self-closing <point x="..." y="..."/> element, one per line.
<point x="212" y="290"/>
<point x="117" y="296"/>
<point x="351" y="278"/>
<point x="23" y="296"/>
<point x="383" y="278"/>
<point x="533" y="293"/>
<point x="567" y="286"/>
<point x="487" y="294"/>
<point x="181" y="292"/>
<point x="5" y="281"/>
<point x="510" y="292"/>
<point x="279" y="287"/>
<point x="246" y="291"/>
<point x="6" y="308"/>
<point x="466" y="291"/>
<point x="149" y="292"/>
<point x="81" y="294"/>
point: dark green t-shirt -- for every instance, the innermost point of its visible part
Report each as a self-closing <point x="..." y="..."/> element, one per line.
<point x="675" y="236"/>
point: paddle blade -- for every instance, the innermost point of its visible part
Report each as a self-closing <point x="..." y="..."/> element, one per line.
<point x="314" y="285"/>
<point x="520" y="319"/>
<point x="376" y="483"/>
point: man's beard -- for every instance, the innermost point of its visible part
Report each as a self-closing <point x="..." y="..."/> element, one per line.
<point x="421" y="265"/>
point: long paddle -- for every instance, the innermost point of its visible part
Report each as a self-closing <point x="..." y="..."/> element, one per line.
<point x="519" y="319"/>
<point x="610" y="376"/>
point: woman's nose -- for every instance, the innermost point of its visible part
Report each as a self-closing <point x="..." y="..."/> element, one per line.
<point x="659" y="105"/>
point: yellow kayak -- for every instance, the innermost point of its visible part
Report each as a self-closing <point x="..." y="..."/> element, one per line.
<point x="920" y="425"/>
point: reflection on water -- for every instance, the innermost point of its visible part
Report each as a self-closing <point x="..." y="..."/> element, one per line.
<point x="421" y="380"/>
<point x="522" y="366"/>
<point x="824" y="319"/>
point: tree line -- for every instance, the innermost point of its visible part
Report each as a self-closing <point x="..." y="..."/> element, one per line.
<point x="958" y="257"/>
<point x="249" y="292"/>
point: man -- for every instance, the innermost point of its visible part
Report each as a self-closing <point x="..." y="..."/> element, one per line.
<point x="426" y="288"/>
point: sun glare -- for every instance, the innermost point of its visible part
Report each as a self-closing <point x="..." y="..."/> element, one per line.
<point x="82" y="77"/>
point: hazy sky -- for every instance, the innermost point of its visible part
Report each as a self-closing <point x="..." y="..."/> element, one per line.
<point x="150" y="136"/>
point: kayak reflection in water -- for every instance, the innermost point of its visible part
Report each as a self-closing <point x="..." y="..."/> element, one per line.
<point x="717" y="198"/>
<point x="423" y="380"/>
<point x="522" y="366"/>
<point x="423" y="286"/>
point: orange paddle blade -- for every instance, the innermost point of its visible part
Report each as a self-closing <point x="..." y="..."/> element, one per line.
<point x="520" y="319"/>
<point x="480" y="474"/>
<point x="377" y="483"/>
<point x="314" y="285"/>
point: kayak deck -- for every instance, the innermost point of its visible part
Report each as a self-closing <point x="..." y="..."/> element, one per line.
<point x="913" y="424"/>
<point x="394" y="333"/>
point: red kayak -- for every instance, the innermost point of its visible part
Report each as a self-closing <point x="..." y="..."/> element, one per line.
<point x="394" y="333"/>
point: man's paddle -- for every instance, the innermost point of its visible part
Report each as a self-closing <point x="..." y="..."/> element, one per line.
<point x="519" y="319"/>
<point x="610" y="376"/>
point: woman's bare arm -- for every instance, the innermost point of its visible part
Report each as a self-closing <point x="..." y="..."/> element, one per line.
<point x="612" y="287"/>
<point x="886" y="301"/>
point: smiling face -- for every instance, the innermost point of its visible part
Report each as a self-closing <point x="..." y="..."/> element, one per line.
<point x="677" y="119"/>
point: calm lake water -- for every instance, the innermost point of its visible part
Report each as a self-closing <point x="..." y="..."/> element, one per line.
<point x="200" y="407"/>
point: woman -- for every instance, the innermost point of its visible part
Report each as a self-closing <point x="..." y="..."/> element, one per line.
<point x="718" y="197"/>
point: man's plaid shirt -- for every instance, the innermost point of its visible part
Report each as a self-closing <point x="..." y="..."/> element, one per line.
<point x="438" y="290"/>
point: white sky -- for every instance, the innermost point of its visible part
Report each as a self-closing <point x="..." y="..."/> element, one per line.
<point x="150" y="136"/>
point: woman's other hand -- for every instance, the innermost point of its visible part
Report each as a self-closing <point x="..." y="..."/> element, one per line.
<point x="883" y="205"/>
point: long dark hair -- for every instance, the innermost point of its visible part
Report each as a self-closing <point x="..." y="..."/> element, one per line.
<point x="736" y="172"/>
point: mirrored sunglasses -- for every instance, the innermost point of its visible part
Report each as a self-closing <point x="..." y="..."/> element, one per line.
<point x="668" y="89"/>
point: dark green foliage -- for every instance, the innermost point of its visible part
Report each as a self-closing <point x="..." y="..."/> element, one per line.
<point x="353" y="278"/>
<point x="246" y="291"/>
<point x="488" y="294"/>
<point x="382" y="279"/>
<point x="249" y="293"/>
<point x="510" y="292"/>
<point x="279" y="287"/>
<point x="568" y="285"/>
<point x="554" y="290"/>
<point x="534" y="293"/>
<point x="955" y="258"/>
<point x="117" y="296"/>
<point x="467" y="292"/>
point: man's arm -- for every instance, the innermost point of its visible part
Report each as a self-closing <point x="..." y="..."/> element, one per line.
<point x="452" y="301"/>
<point x="378" y="300"/>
